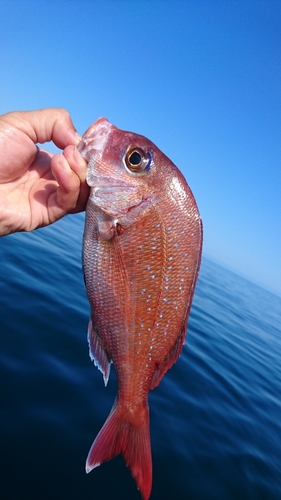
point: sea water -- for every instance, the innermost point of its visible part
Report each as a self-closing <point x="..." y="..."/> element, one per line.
<point x="215" y="417"/>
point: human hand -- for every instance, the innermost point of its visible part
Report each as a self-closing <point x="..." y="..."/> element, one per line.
<point x="36" y="187"/>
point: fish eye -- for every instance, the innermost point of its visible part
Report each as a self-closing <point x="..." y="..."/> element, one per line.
<point x="137" y="161"/>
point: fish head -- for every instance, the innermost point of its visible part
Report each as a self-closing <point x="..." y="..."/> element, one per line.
<point x="125" y="170"/>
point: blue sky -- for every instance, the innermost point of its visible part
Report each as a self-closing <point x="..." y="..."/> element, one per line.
<point x="201" y="79"/>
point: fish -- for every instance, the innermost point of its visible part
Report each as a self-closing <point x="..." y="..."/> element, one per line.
<point x="142" y="248"/>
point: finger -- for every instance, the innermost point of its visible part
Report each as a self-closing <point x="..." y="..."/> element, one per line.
<point x="79" y="166"/>
<point x="69" y="170"/>
<point x="68" y="183"/>
<point x="76" y="162"/>
<point x="44" y="125"/>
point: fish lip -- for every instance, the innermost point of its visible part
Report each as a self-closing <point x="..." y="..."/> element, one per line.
<point x="95" y="138"/>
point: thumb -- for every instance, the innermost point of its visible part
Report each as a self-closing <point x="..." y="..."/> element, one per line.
<point x="44" y="125"/>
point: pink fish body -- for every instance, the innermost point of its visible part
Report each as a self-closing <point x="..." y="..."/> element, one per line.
<point x="142" y="251"/>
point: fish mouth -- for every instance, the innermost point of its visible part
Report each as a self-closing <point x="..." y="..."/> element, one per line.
<point x="95" y="138"/>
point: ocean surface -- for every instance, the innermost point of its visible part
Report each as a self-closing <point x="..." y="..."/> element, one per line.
<point x="215" y="418"/>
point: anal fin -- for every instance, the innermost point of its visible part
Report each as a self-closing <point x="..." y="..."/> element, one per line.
<point x="97" y="352"/>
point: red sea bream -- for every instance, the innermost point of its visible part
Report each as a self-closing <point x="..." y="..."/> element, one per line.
<point x="142" y="250"/>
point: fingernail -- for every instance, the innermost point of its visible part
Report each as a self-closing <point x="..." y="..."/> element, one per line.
<point x="78" y="138"/>
<point x="79" y="158"/>
<point x="64" y="164"/>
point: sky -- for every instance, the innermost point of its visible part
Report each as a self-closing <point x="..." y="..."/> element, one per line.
<point x="200" y="78"/>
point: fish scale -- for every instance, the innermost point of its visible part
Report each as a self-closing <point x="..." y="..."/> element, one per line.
<point x="141" y="253"/>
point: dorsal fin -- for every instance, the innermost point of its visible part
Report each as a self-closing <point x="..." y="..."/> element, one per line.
<point x="172" y="355"/>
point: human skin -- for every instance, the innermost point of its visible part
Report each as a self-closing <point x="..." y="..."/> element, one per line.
<point x="37" y="188"/>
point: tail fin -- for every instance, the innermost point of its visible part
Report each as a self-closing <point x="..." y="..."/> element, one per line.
<point x="133" y="441"/>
